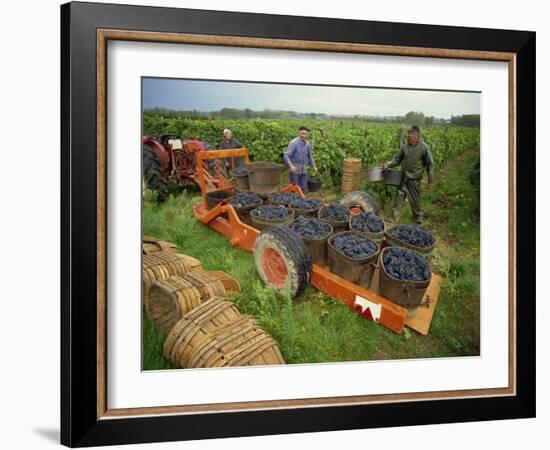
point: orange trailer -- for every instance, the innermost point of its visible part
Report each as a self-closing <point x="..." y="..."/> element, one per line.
<point x="367" y="302"/>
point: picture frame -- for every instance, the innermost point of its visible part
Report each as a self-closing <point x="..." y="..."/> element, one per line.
<point x="86" y="418"/>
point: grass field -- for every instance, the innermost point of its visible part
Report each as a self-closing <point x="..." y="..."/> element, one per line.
<point x="318" y="328"/>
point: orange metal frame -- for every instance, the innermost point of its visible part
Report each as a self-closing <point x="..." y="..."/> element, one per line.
<point x="206" y="181"/>
<point x="224" y="219"/>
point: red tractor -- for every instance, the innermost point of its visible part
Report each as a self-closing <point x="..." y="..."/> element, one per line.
<point x="168" y="162"/>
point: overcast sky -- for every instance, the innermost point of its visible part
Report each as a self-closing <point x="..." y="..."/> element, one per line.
<point x="215" y="95"/>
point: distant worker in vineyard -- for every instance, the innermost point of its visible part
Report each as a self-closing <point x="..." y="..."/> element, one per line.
<point x="414" y="157"/>
<point x="297" y="157"/>
<point x="229" y="143"/>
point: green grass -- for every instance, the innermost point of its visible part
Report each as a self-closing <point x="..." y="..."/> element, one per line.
<point x="317" y="328"/>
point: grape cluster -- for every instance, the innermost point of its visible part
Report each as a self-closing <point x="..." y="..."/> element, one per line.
<point x="405" y="264"/>
<point x="283" y="198"/>
<point x="413" y="234"/>
<point x="335" y="212"/>
<point x="306" y="204"/>
<point x="271" y="212"/>
<point x="353" y="246"/>
<point x="240" y="170"/>
<point x="245" y="199"/>
<point x="311" y="228"/>
<point x="367" y="222"/>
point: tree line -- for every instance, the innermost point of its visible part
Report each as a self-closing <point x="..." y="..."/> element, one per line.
<point x="412" y="117"/>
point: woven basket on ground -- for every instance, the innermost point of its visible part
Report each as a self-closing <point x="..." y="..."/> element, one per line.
<point x="195" y="326"/>
<point x="164" y="264"/>
<point x="208" y="285"/>
<point x="229" y="283"/>
<point x="152" y="245"/>
<point x="198" y="342"/>
<point x="168" y="300"/>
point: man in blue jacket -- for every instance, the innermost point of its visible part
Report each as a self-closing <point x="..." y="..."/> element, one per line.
<point x="297" y="157"/>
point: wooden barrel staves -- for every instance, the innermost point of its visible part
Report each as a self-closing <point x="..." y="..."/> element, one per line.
<point x="195" y="327"/>
<point x="168" y="300"/>
<point x="164" y="264"/>
<point x="208" y="285"/>
<point x="213" y="336"/>
<point x="351" y="174"/>
<point x="240" y="343"/>
<point x="229" y="283"/>
<point x="153" y="245"/>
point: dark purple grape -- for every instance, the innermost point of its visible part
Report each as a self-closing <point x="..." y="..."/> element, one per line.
<point x="306" y="204"/>
<point x="283" y="198"/>
<point x="335" y="212"/>
<point x="311" y="228"/>
<point x="412" y="234"/>
<point x="271" y="212"/>
<point x="245" y="199"/>
<point x="353" y="246"/>
<point x="405" y="264"/>
<point x="367" y="222"/>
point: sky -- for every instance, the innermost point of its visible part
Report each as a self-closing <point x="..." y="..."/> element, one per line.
<point x="203" y="95"/>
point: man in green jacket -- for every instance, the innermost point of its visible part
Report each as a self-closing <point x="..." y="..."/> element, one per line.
<point x="414" y="157"/>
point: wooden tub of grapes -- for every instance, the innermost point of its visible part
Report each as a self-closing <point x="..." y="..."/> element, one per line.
<point x="404" y="277"/>
<point x="353" y="257"/>
<point x="284" y="263"/>
<point x="411" y="236"/>
<point x="315" y="233"/>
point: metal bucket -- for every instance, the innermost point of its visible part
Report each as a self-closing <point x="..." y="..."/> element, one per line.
<point x="241" y="181"/>
<point x="264" y="177"/>
<point x="376" y="237"/>
<point x="427" y="252"/>
<point x="314" y="184"/>
<point x="261" y="223"/>
<point x="338" y="225"/>
<point x="357" y="271"/>
<point x="306" y="212"/>
<point x="375" y="174"/>
<point x="275" y="199"/>
<point x="408" y="294"/>
<point x="244" y="211"/>
<point x="317" y="248"/>
<point x="392" y="177"/>
<point x="214" y="198"/>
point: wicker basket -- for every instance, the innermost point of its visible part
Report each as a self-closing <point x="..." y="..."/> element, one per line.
<point x="229" y="283"/>
<point x="168" y="300"/>
<point x="216" y="335"/>
<point x="152" y="245"/>
<point x="351" y="176"/>
<point x="164" y="264"/>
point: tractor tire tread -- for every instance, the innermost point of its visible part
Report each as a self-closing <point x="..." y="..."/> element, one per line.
<point x="361" y="199"/>
<point x="290" y="246"/>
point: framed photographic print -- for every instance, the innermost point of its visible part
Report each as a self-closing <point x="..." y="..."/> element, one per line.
<point x="278" y="224"/>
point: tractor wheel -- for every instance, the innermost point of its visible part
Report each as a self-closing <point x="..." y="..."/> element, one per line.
<point x="361" y="199"/>
<point x="282" y="258"/>
<point x="152" y="174"/>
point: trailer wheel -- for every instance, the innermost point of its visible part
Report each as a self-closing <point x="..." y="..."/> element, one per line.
<point x="281" y="257"/>
<point x="152" y="173"/>
<point x="361" y="199"/>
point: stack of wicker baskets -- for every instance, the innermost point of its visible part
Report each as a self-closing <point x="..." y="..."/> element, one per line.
<point x="165" y="264"/>
<point x="168" y="300"/>
<point x="152" y="245"/>
<point x="188" y="305"/>
<point x="215" y="334"/>
<point x="352" y="175"/>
